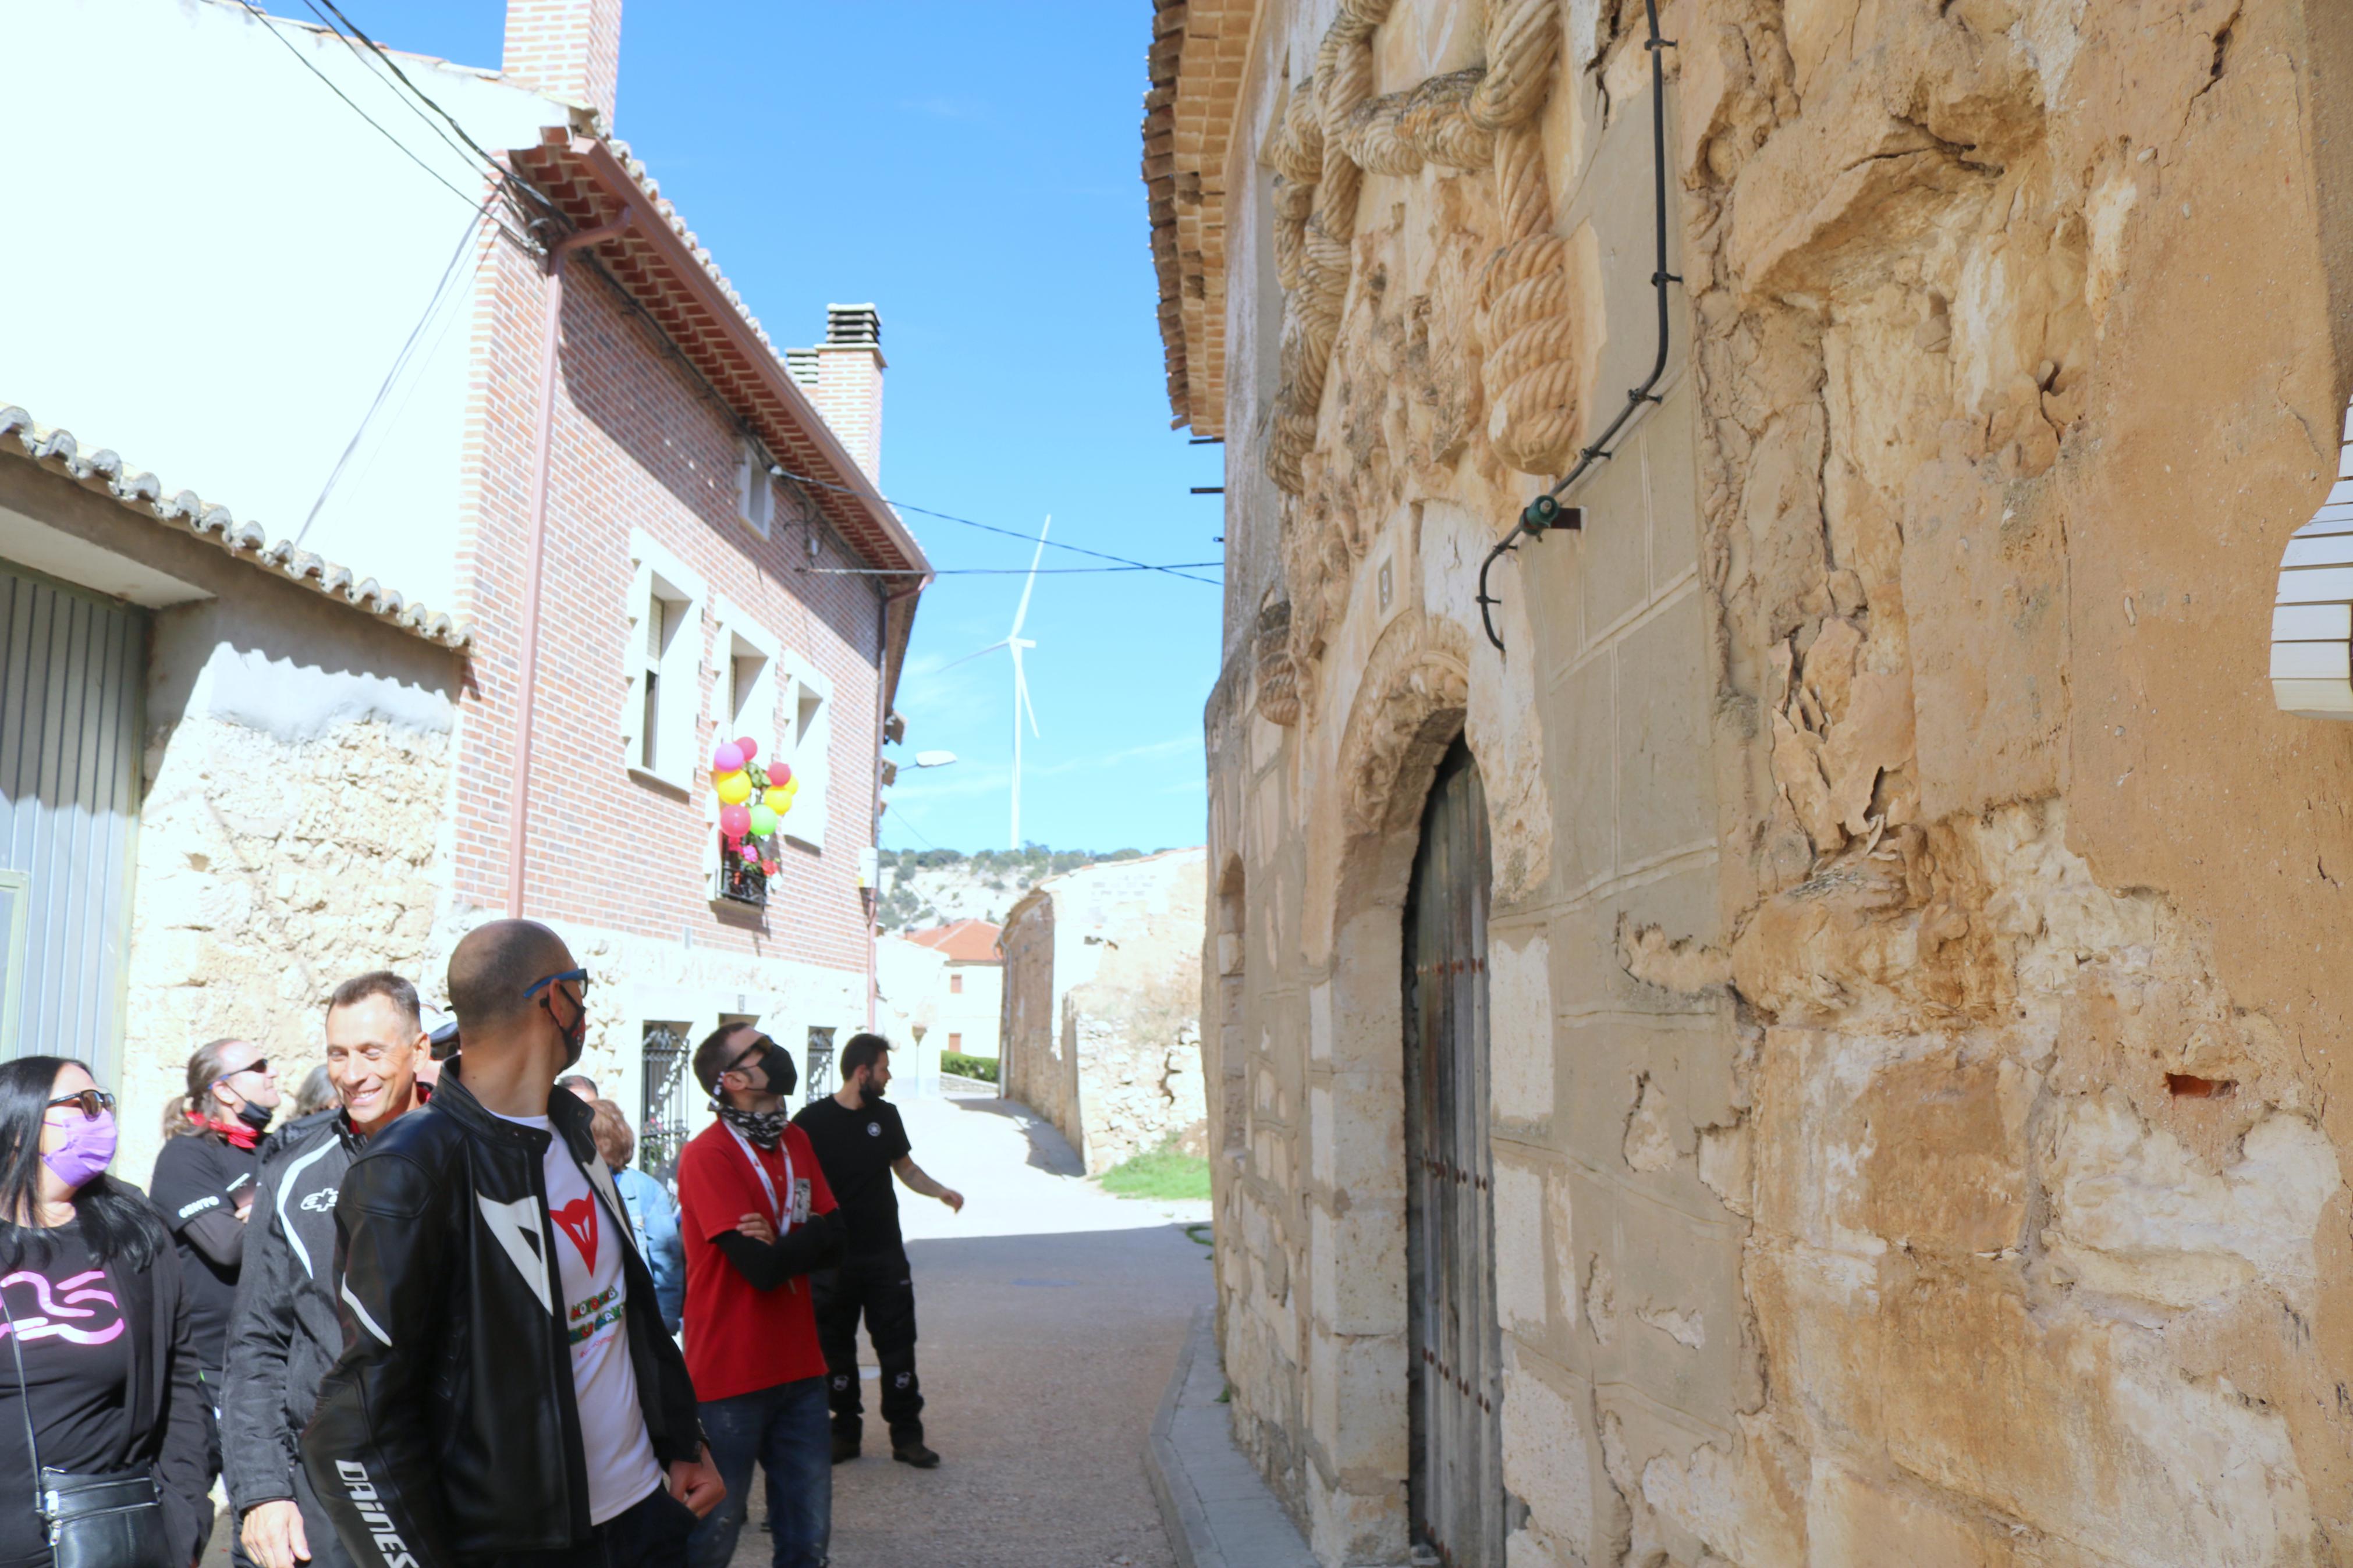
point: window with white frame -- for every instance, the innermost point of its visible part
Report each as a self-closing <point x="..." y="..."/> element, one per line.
<point x="664" y="665"/>
<point x="744" y="698"/>
<point x="756" y="493"/>
<point x="809" y="729"/>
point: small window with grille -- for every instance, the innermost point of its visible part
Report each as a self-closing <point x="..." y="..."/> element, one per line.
<point x="661" y="1113"/>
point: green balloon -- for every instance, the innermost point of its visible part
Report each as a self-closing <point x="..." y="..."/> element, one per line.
<point x="763" y="822"/>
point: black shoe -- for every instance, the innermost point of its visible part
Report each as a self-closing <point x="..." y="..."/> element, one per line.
<point x="844" y="1449"/>
<point x="915" y="1453"/>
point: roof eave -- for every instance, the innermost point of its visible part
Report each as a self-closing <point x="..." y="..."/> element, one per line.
<point x="615" y="178"/>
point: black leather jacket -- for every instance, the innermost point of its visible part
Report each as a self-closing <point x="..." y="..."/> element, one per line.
<point x="447" y="1430"/>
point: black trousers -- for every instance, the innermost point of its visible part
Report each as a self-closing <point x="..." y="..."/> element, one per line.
<point x="883" y="1288"/>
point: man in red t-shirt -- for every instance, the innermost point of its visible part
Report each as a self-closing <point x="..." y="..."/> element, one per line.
<point x="758" y="1217"/>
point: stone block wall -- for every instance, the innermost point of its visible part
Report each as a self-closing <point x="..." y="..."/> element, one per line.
<point x="1913" y="1052"/>
<point x="1102" y="1017"/>
<point x="268" y="872"/>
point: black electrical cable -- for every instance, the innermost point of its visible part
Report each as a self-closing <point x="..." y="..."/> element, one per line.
<point x="400" y="361"/>
<point x="1173" y="571"/>
<point x="505" y="174"/>
<point x="1545" y="511"/>
<point x="269" y="23"/>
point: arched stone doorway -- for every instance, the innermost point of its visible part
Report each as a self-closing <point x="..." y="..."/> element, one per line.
<point x="1455" y="1486"/>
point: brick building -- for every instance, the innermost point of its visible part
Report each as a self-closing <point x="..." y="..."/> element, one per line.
<point x="586" y="446"/>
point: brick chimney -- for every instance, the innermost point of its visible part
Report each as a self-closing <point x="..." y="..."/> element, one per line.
<point x="568" y="49"/>
<point x="843" y="376"/>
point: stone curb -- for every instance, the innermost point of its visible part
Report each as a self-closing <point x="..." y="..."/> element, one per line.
<point x="1218" y="1512"/>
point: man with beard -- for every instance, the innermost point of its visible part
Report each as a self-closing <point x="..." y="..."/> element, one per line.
<point x="758" y="1220"/>
<point x="283" y="1335"/>
<point x="861" y="1144"/>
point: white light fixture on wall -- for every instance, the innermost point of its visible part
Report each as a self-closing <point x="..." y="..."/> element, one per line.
<point x="2311" y="618"/>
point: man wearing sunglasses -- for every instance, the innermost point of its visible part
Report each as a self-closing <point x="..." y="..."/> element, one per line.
<point x="758" y="1218"/>
<point x="506" y="1395"/>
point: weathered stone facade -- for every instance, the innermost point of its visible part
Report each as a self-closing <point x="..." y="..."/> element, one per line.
<point x="1914" y="1050"/>
<point x="1101" y="1031"/>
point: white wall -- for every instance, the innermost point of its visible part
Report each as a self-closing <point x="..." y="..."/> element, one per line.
<point x="215" y="264"/>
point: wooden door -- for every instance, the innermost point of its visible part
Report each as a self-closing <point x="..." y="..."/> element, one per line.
<point x="1456" y="1490"/>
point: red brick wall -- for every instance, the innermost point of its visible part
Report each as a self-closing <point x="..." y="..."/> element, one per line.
<point x="639" y="442"/>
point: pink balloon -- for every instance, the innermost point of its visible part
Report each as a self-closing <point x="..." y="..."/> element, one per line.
<point x="748" y="746"/>
<point x="729" y="758"/>
<point x="779" y="775"/>
<point x="734" y="821"/>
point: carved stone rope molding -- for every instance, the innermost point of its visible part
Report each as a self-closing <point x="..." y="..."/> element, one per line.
<point x="1334" y="130"/>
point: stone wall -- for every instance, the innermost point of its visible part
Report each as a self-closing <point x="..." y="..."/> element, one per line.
<point x="1101" y="1020"/>
<point x="1914" y="1053"/>
<point x="1034" y="1063"/>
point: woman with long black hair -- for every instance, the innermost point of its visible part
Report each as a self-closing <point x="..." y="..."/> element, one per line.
<point x="101" y="1427"/>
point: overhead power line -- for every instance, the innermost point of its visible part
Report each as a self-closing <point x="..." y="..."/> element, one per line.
<point x="504" y="174"/>
<point x="1176" y="570"/>
<point x="269" y="23"/>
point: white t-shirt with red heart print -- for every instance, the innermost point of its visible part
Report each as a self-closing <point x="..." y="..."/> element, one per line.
<point x="622" y="1469"/>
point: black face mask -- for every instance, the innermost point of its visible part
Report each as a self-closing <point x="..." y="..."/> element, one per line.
<point x="575" y="1035"/>
<point x="255" y="1116"/>
<point x="776" y="1068"/>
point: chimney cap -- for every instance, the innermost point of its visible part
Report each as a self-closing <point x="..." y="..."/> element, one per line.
<point x="857" y="325"/>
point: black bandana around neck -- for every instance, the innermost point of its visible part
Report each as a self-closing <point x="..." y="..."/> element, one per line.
<point x="765" y="1129"/>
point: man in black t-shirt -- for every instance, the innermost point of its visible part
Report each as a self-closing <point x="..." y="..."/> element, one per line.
<point x="861" y="1144"/>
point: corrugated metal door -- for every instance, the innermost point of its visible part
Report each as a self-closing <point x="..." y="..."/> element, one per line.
<point x="1456" y="1486"/>
<point x="72" y="668"/>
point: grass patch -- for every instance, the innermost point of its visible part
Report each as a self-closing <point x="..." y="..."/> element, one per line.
<point x="1161" y="1174"/>
<point x="962" y="1065"/>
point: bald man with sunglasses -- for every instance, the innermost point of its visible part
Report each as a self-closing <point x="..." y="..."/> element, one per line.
<point x="506" y="1395"/>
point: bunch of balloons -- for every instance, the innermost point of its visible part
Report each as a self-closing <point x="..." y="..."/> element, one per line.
<point x="752" y="801"/>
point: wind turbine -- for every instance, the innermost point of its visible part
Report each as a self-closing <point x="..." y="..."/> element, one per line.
<point x="1014" y="643"/>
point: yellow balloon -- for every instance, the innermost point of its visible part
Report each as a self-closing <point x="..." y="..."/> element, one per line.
<point x="733" y="788"/>
<point x="779" y="801"/>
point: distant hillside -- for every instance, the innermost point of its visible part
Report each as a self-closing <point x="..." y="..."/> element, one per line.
<point x="926" y="888"/>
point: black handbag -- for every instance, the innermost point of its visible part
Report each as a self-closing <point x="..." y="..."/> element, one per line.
<point x="94" y="1522"/>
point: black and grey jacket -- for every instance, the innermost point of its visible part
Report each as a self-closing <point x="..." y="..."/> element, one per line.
<point x="283" y="1335"/>
<point x="447" y="1429"/>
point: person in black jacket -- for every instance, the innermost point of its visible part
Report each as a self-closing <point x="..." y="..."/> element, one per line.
<point x="94" y="1347"/>
<point x="204" y="1183"/>
<point x="506" y="1393"/>
<point x="283" y="1335"/>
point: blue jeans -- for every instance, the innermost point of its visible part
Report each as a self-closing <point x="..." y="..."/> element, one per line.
<point x="789" y="1431"/>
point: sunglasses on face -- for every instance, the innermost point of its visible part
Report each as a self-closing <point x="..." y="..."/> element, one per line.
<point x="94" y="1102"/>
<point x="759" y="1048"/>
<point x="261" y="1066"/>
<point x="577" y="976"/>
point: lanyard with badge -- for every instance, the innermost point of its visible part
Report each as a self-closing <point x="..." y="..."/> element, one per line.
<point x="799" y="1186"/>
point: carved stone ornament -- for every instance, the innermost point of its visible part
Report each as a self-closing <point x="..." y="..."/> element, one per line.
<point x="1277" y="677"/>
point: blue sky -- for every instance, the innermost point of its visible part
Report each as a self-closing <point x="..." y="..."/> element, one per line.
<point x="973" y="171"/>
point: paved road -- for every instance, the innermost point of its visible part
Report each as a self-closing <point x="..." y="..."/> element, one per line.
<point x="1051" y="1316"/>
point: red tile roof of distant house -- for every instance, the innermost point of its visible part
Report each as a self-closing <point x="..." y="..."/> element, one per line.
<point x="965" y="942"/>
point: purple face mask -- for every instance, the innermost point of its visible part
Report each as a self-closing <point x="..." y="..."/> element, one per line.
<point x="88" y="1150"/>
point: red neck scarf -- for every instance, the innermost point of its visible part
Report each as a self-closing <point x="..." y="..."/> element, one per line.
<point x="238" y="1134"/>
